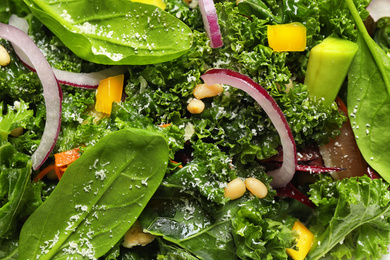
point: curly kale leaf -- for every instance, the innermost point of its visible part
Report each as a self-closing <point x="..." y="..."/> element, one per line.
<point x="335" y="18"/>
<point x="262" y="230"/>
<point x="286" y="11"/>
<point x="18" y="196"/>
<point x="207" y="173"/>
<point x="15" y="116"/>
<point x="352" y="218"/>
<point x="18" y="82"/>
<point x="382" y="34"/>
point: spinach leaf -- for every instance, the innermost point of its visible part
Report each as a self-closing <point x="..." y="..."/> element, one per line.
<point x="98" y="199"/>
<point x="262" y="229"/>
<point x="185" y="223"/>
<point x="9" y="249"/>
<point x="114" y="31"/>
<point x="369" y="99"/>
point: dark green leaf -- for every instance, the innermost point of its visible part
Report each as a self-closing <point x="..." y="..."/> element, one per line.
<point x="15" y="170"/>
<point x="183" y="221"/>
<point x="115" y="31"/>
<point x="17" y="116"/>
<point x="359" y="207"/>
<point x="382" y="34"/>
<point x="369" y="100"/>
<point x="98" y="199"/>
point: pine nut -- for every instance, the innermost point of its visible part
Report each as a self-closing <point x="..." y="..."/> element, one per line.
<point x="195" y="106"/>
<point x="256" y="187"/>
<point x="235" y="189"/>
<point x="204" y="91"/>
<point x="135" y="236"/>
<point x="17" y="132"/>
<point x="4" y="56"/>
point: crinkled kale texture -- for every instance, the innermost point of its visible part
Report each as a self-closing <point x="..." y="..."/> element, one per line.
<point x="382" y="34"/>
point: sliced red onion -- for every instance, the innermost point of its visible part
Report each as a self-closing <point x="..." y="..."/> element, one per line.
<point x="283" y="175"/>
<point x="210" y="21"/>
<point x="51" y="90"/>
<point x="81" y="80"/>
<point x="292" y="192"/>
<point x="379" y="9"/>
<point x="87" y="80"/>
<point x="372" y="174"/>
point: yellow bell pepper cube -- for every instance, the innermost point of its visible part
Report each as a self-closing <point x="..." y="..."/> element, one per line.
<point x="158" y="3"/>
<point x="108" y="91"/>
<point x="304" y="242"/>
<point x="287" y="37"/>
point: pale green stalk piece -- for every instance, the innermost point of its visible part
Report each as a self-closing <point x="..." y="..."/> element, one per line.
<point x="328" y="66"/>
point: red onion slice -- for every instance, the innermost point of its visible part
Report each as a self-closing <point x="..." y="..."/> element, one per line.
<point x="379" y="9"/>
<point x="87" y="80"/>
<point x="51" y="90"/>
<point x="81" y="80"/>
<point x="283" y="175"/>
<point x="210" y="21"/>
<point x="292" y="192"/>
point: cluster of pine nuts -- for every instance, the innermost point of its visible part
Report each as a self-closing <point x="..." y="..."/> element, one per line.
<point x="196" y="105"/>
<point x="237" y="187"/>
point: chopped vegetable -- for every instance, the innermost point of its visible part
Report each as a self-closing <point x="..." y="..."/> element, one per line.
<point x="304" y="242"/>
<point x="61" y="162"/>
<point x="158" y="3"/>
<point x="210" y="20"/>
<point x="333" y="56"/>
<point x="287" y="37"/>
<point x="67" y="157"/>
<point x="108" y="91"/>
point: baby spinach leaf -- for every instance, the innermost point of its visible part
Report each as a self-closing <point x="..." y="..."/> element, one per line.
<point x="114" y="31"/>
<point x="369" y="99"/>
<point x="183" y="221"/>
<point x="98" y="199"/>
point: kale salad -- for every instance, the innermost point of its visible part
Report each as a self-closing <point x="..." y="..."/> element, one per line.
<point x="113" y="147"/>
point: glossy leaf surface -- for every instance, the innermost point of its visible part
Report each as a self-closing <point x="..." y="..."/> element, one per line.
<point x="369" y="100"/>
<point x="114" y="31"/>
<point x="98" y="199"/>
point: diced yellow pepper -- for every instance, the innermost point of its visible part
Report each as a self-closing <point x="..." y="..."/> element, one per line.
<point x="108" y="91"/>
<point x="287" y="37"/>
<point x="158" y="3"/>
<point x="304" y="242"/>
